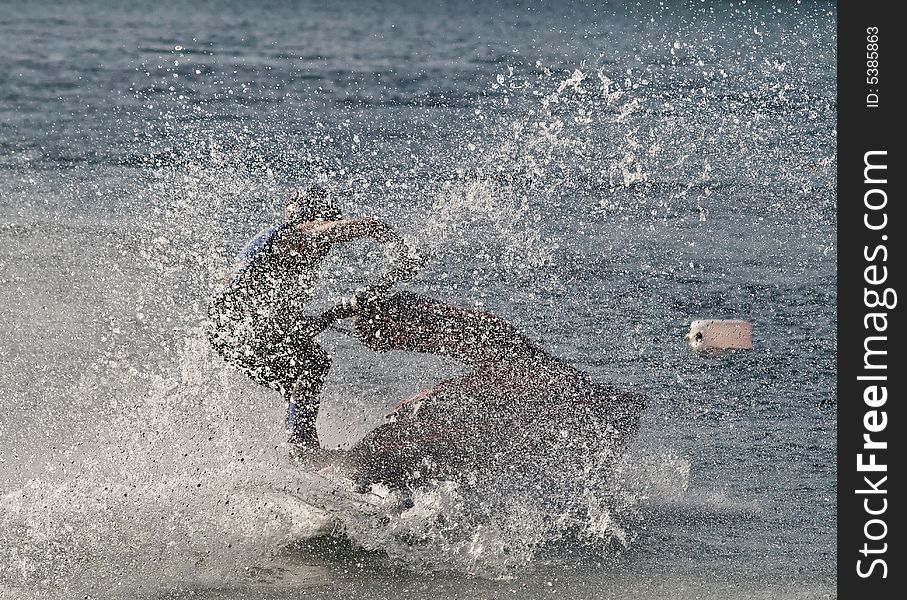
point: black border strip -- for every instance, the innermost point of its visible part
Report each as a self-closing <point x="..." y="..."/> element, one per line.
<point x="864" y="128"/>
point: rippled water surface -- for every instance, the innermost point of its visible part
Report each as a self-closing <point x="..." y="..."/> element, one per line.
<point x="600" y="175"/>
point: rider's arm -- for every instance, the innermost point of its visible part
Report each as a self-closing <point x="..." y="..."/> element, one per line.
<point x="331" y="232"/>
<point x="405" y="261"/>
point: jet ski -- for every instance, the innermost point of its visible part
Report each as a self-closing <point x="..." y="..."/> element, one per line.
<point x="517" y="401"/>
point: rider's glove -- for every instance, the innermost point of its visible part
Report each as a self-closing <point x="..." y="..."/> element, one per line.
<point x="404" y="261"/>
<point x="360" y="297"/>
<point x="351" y="303"/>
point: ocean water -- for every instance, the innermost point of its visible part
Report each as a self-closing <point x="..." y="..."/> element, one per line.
<point x="599" y="174"/>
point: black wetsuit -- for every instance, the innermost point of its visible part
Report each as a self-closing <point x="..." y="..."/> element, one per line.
<point x="257" y="323"/>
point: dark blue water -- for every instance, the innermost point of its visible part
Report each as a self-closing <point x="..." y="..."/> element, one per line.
<point x="600" y="175"/>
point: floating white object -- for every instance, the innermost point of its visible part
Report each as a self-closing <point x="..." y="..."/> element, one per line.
<point x="715" y="335"/>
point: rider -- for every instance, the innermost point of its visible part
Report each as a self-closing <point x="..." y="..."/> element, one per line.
<point x="258" y="323"/>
